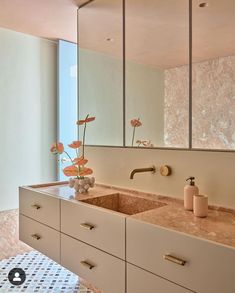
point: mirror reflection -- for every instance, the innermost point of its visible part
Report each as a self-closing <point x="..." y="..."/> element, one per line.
<point x="157" y="73"/>
<point x="157" y="58"/>
<point x="100" y="25"/>
<point x="213" y="81"/>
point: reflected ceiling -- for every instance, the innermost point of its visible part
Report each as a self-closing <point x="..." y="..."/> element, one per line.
<point x="156" y="30"/>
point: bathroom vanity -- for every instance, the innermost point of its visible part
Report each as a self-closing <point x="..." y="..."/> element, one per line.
<point x="124" y="241"/>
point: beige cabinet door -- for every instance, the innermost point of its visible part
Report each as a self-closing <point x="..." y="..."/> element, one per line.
<point x="98" y="227"/>
<point x="140" y="281"/>
<point x="208" y="267"/>
<point x="40" y="207"/>
<point x="104" y="271"/>
<point x="42" y="238"/>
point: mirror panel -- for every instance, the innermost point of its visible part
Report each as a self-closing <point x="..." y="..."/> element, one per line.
<point x="213" y="75"/>
<point x="157" y="70"/>
<point x="100" y="70"/>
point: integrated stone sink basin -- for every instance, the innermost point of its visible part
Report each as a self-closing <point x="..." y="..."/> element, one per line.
<point x="123" y="203"/>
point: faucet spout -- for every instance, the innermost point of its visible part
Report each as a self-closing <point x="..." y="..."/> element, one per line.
<point x="141" y="170"/>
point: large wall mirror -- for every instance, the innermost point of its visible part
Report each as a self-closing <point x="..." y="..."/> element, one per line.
<point x="100" y="70"/>
<point x="161" y="75"/>
<point x="213" y="75"/>
<point x="157" y="58"/>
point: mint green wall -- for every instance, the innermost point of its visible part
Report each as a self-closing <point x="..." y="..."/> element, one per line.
<point x="101" y="95"/>
<point x="145" y="100"/>
<point x="27" y="111"/>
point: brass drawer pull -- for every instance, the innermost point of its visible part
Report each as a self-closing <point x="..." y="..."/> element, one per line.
<point x="87" y="226"/>
<point x="36" y="236"/>
<point x="174" y="259"/>
<point x="87" y="265"/>
<point x="36" y="206"/>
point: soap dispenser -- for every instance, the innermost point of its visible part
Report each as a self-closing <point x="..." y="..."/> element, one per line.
<point x="189" y="191"/>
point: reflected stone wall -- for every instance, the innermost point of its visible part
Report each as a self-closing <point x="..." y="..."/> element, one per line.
<point x="213" y="104"/>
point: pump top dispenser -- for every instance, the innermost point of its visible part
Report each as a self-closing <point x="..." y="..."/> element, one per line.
<point x="191" y="183"/>
<point x="189" y="191"/>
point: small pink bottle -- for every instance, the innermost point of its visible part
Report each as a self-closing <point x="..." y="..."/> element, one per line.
<point x="189" y="191"/>
<point x="200" y="205"/>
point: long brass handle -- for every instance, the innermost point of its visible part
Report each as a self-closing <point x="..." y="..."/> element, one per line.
<point x="87" y="265"/>
<point x="36" y="236"/>
<point x="36" y="206"/>
<point x="87" y="226"/>
<point x="174" y="259"/>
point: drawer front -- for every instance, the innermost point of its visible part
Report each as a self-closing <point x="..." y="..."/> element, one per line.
<point x="108" y="232"/>
<point x="40" y="237"/>
<point x="108" y="273"/>
<point x="41" y="207"/>
<point x="140" y="281"/>
<point x="209" y="267"/>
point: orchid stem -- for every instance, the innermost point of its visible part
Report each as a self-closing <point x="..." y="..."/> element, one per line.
<point x="68" y="156"/>
<point x="84" y="136"/>
<point x="133" y="137"/>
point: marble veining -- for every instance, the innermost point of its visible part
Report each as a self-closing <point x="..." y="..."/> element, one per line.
<point x="219" y="226"/>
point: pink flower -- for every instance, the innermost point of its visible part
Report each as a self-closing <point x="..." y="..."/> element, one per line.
<point x="57" y="148"/>
<point x="75" y="144"/>
<point x="80" y="161"/>
<point x="70" y="171"/>
<point x="85" y="171"/>
<point x="136" y="122"/>
<point x="88" y="119"/>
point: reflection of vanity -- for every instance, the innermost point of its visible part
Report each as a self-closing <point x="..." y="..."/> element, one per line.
<point x="130" y="242"/>
<point x="182" y="89"/>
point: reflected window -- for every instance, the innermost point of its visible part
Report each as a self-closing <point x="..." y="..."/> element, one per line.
<point x="67" y="97"/>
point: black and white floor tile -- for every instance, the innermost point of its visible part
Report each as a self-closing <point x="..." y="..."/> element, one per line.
<point x="42" y="275"/>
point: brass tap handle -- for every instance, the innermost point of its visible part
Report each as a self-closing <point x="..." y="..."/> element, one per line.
<point x="174" y="259"/>
<point x="87" y="265"/>
<point x="87" y="226"/>
<point x="36" y="236"/>
<point x="165" y="170"/>
<point x="36" y="206"/>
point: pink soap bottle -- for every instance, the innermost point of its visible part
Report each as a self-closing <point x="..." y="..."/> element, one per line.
<point x="189" y="191"/>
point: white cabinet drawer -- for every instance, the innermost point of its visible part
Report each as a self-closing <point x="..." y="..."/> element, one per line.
<point x="140" y="281"/>
<point x="209" y="267"/>
<point x="40" y="237"/>
<point x="41" y="207"/>
<point x="108" y="233"/>
<point x="108" y="273"/>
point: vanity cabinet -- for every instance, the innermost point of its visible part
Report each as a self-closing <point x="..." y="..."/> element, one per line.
<point x="41" y="237"/>
<point x="119" y="253"/>
<point x="200" y="265"/>
<point x="61" y="229"/>
<point x="99" y="268"/>
<point x="103" y="229"/>
<point x="139" y="281"/>
<point x="39" y="206"/>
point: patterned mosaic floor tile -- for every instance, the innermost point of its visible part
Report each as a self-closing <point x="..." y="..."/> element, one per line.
<point x="10" y="245"/>
<point x="42" y="275"/>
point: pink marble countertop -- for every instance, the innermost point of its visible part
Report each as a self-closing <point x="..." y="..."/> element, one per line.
<point x="219" y="226"/>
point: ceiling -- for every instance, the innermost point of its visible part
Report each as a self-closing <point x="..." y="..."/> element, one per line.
<point x="52" y="19"/>
<point x="156" y="30"/>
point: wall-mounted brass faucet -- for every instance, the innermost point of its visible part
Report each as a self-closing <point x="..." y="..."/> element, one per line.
<point x="140" y="170"/>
